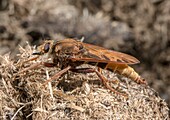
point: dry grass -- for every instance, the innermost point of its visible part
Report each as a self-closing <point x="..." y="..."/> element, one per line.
<point x="140" y="28"/>
<point x="76" y="96"/>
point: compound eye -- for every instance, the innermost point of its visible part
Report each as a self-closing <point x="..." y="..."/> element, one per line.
<point x="46" y="47"/>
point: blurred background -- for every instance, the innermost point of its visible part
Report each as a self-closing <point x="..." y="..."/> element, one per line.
<point x="137" y="27"/>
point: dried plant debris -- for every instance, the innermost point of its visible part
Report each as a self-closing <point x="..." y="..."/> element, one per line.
<point x="72" y="96"/>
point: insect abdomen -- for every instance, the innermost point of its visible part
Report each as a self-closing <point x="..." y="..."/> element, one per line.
<point x="122" y="69"/>
<point x="126" y="71"/>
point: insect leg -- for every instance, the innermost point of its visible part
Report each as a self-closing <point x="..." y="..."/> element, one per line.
<point x="46" y="64"/>
<point x="113" y="81"/>
<point x="31" y="67"/>
<point x="57" y="75"/>
<point x="37" y="65"/>
<point x="31" y="59"/>
<point x="110" y="81"/>
<point x="82" y="70"/>
<point x="104" y="80"/>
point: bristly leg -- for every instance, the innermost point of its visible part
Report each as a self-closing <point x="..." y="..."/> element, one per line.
<point x="37" y="65"/>
<point x="102" y="78"/>
<point x="111" y="81"/>
<point x="57" y="75"/>
<point x="46" y="64"/>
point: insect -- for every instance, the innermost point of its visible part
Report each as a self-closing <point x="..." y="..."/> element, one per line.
<point x="70" y="53"/>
